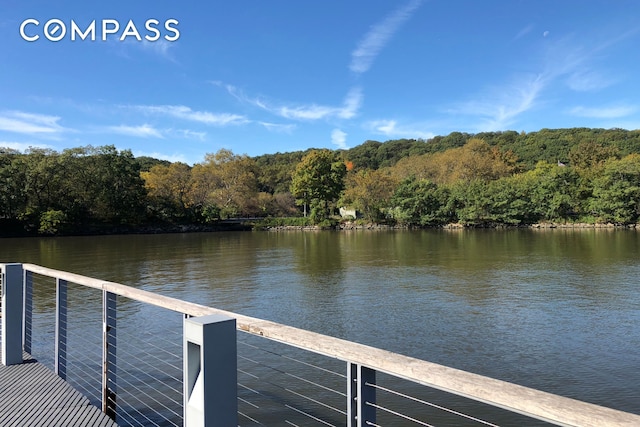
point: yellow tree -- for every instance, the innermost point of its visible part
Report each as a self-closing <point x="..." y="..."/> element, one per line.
<point x="475" y="160"/>
<point x="225" y="180"/>
<point x="369" y="191"/>
<point x="169" y="188"/>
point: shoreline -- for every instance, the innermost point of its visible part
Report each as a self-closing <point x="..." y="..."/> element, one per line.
<point x="347" y="226"/>
<point x="454" y="226"/>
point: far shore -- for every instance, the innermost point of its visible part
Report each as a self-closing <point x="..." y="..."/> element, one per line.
<point x="343" y="226"/>
<point x="348" y="226"/>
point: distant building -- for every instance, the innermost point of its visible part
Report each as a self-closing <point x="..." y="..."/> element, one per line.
<point x="348" y="212"/>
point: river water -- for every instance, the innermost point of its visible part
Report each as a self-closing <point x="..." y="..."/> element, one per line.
<point x="557" y="310"/>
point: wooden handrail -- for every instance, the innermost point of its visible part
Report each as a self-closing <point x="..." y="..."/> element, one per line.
<point x="534" y="403"/>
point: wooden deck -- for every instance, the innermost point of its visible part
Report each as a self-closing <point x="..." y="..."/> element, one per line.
<point x="33" y="395"/>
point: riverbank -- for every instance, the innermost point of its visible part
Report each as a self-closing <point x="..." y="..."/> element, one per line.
<point x="347" y="226"/>
<point x="343" y="226"/>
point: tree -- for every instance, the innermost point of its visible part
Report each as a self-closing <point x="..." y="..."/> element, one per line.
<point x="169" y="189"/>
<point x="13" y="196"/>
<point x="318" y="180"/>
<point x="617" y="192"/>
<point x="103" y="184"/>
<point x="475" y="160"/>
<point x="369" y="192"/>
<point x="225" y="180"/>
<point x="420" y="202"/>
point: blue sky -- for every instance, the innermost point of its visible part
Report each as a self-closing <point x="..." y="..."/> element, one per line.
<point x="259" y="76"/>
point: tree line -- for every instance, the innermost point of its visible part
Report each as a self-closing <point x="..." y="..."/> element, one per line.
<point x="576" y="175"/>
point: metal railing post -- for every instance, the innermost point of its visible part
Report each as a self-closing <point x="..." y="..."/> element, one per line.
<point x="11" y="276"/>
<point x="61" y="329"/>
<point x="109" y="390"/>
<point x="360" y="395"/>
<point x="210" y="372"/>
<point x="27" y="314"/>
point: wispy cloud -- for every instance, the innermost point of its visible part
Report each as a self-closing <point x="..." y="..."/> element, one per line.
<point x="347" y="110"/>
<point x="162" y="156"/>
<point x="564" y="61"/>
<point x="339" y="138"/>
<point x="588" y="81"/>
<point x="159" y="47"/>
<point x="309" y="112"/>
<point x="131" y="48"/>
<point x="277" y="127"/>
<point x="392" y="129"/>
<point x="186" y="113"/>
<point x="376" y="39"/>
<point x="22" y="146"/>
<point x="29" y="123"/>
<point x="143" y="131"/>
<point x="498" y="107"/>
<point x="523" y="32"/>
<point x="189" y="134"/>
<point x="610" y="112"/>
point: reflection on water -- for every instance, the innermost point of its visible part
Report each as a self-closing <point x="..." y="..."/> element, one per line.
<point x="557" y="310"/>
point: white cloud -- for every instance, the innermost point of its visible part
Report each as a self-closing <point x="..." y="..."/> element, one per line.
<point x="158" y="47"/>
<point x="500" y="106"/>
<point x="391" y="129"/>
<point x="376" y="39"/>
<point x="348" y="110"/>
<point x="186" y="113"/>
<point x="143" y="131"/>
<point x="276" y="127"/>
<point x="162" y="156"/>
<point x="611" y="112"/>
<point x="22" y="146"/>
<point x="28" y="123"/>
<point x="188" y="134"/>
<point x="339" y="138"/>
<point x="523" y="32"/>
<point x="587" y="81"/>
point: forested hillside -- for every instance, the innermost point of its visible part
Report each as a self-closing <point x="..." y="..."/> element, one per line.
<point x="491" y="178"/>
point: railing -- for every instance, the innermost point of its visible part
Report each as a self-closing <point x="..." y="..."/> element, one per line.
<point x="372" y="383"/>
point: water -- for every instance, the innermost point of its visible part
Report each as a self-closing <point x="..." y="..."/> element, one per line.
<point x="557" y="310"/>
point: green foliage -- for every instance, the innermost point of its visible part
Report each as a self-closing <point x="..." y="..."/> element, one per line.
<point x="211" y="213"/>
<point x="274" y="171"/>
<point x="616" y="194"/>
<point x="420" y="202"/>
<point x="318" y="180"/>
<point x="51" y="222"/>
<point x="146" y="163"/>
<point x="375" y="155"/>
<point x="284" y="222"/>
<point x="507" y="177"/>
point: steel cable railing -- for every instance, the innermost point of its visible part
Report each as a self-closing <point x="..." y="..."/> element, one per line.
<point x="288" y="382"/>
<point x="280" y="371"/>
<point x="148" y="373"/>
<point x="430" y="404"/>
<point x="285" y="375"/>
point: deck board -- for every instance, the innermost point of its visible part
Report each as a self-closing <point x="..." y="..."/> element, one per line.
<point x="32" y="395"/>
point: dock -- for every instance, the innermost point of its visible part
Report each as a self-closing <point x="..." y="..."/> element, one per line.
<point x="266" y="383"/>
<point x="33" y="395"/>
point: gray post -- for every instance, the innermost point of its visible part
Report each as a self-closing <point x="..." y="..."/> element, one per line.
<point x="210" y="372"/>
<point x="360" y="414"/>
<point x="109" y="390"/>
<point x="27" y="315"/>
<point x="61" y="329"/>
<point x="11" y="313"/>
